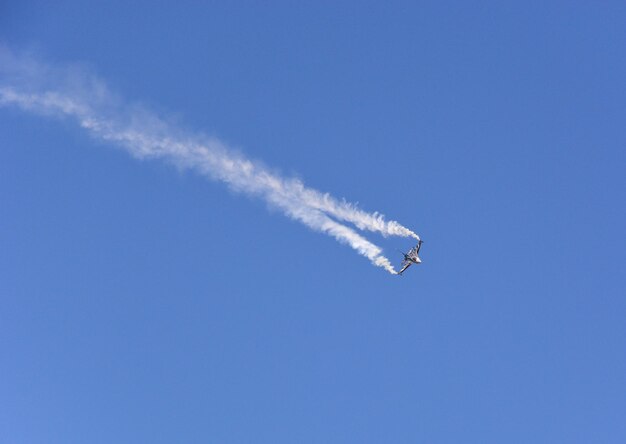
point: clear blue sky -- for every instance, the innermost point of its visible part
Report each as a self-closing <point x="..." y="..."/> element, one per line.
<point x="139" y="303"/>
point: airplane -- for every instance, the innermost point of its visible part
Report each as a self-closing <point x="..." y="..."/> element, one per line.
<point x="411" y="257"/>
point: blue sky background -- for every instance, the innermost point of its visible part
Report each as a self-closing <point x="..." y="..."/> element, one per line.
<point x="142" y="304"/>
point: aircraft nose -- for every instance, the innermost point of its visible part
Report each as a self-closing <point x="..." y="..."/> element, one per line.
<point x="418" y="260"/>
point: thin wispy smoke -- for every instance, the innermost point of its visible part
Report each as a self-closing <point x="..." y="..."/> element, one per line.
<point x="73" y="93"/>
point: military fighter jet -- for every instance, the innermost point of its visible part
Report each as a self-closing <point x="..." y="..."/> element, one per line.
<point x="411" y="257"/>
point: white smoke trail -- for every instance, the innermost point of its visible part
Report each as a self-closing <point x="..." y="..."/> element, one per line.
<point x="42" y="89"/>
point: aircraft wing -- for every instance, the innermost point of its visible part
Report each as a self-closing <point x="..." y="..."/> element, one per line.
<point x="419" y="245"/>
<point x="407" y="264"/>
